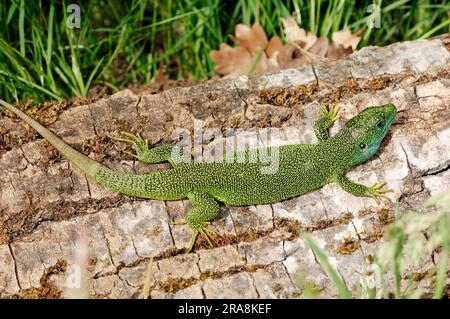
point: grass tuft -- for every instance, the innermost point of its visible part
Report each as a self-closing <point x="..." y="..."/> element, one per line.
<point x="120" y="43"/>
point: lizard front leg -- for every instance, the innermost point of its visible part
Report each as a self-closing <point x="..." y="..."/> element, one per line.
<point x="205" y="209"/>
<point x="329" y="116"/>
<point x="153" y="155"/>
<point x="376" y="191"/>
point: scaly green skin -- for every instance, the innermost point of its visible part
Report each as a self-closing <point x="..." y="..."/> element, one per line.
<point x="302" y="168"/>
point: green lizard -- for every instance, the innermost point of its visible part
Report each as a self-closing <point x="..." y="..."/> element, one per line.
<point x="302" y="168"/>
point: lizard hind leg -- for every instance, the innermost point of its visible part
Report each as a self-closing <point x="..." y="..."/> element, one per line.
<point x="205" y="209"/>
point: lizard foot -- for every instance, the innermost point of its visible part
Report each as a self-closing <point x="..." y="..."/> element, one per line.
<point x="139" y="145"/>
<point x="376" y="191"/>
<point x="331" y="112"/>
<point x="198" y="230"/>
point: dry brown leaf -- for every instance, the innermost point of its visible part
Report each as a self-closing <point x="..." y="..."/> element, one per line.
<point x="290" y="56"/>
<point x="313" y="48"/>
<point x="253" y="39"/>
<point x="302" y="48"/>
<point x="231" y="60"/>
<point x="338" y="51"/>
<point x="252" y="44"/>
<point x="295" y="34"/>
<point x="261" y="66"/>
<point x="346" y="38"/>
<point x="272" y="51"/>
<point x="275" y="45"/>
<point x="320" y="48"/>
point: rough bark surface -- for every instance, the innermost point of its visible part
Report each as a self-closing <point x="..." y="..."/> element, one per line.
<point x="48" y="210"/>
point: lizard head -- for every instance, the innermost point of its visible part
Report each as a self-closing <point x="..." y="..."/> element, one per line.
<point x="368" y="129"/>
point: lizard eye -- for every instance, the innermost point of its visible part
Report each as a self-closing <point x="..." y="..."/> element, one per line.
<point x="362" y="146"/>
<point x="380" y="124"/>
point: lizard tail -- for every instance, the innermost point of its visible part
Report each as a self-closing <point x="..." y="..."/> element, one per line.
<point x="87" y="165"/>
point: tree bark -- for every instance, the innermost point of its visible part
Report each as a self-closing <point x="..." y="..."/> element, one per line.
<point x="52" y="218"/>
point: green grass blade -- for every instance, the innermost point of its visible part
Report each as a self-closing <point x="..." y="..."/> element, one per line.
<point x="441" y="274"/>
<point x="94" y="72"/>
<point x="327" y="267"/>
<point x="22" y="27"/>
<point x="33" y="85"/>
<point x="11" y="11"/>
<point x="51" y="18"/>
<point x="435" y="29"/>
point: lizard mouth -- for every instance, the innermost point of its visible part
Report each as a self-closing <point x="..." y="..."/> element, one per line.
<point x="390" y="111"/>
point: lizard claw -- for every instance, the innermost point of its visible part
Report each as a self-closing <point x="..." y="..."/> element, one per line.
<point x="207" y="234"/>
<point x="331" y="112"/>
<point x="377" y="192"/>
<point x="198" y="230"/>
<point x="178" y="222"/>
<point x="121" y="139"/>
<point x="139" y="145"/>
